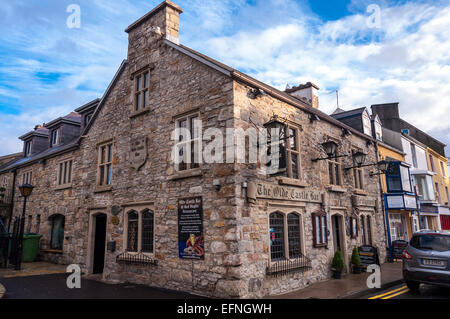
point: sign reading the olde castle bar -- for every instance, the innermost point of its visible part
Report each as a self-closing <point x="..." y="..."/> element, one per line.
<point x="190" y="228"/>
<point x="138" y="154"/>
<point x="273" y="191"/>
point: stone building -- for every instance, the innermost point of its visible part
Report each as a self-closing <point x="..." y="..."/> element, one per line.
<point x="221" y="228"/>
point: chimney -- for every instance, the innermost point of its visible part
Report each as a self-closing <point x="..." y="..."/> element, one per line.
<point x="306" y="92"/>
<point x="386" y="111"/>
<point x="37" y="127"/>
<point x="163" y="20"/>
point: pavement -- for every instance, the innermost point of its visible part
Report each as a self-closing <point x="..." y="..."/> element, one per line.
<point x="55" y="287"/>
<point x="33" y="269"/>
<point x="402" y="292"/>
<point x="351" y="286"/>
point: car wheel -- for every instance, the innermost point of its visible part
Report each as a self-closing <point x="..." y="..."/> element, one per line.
<point x="413" y="286"/>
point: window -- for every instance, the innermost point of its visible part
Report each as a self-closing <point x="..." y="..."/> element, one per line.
<point x="293" y="154"/>
<point x="354" y="226"/>
<point x="285" y="236"/>
<point x="277" y="245"/>
<point x="443" y="170"/>
<point x="358" y="174"/>
<point x="65" y="173"/>
<point x="363" y="229"/>
<point x="57" y="232"/>
<point x="425" y="187"/>
<point x="378" y="131"/>
<point x="398" y="178"/>
<point x="55" y="137"/>
<point x="438" y="191"/>
<point x="414" y="155"/>
<point x="140" y="231"/>
<point x="446" y="192"/>
<point x="141" y="91"/>
<point x="334" y="172"/>
<point x="366" y="125"/>
<point x="105" y="164"/>
<point x="27" y="148"/>
<point x="27" y="177"/>
<point x="369" y="230"/>
<point x="189" y="142"/>
<point x="320" y="229"/>
<point x="431" y="163"/>
<point x="295" y="249"/>
<point x="87" y="119"/>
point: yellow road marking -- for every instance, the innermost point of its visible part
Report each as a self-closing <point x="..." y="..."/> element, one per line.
<point x="397" y="294"/>
<point x="388" y="293"/>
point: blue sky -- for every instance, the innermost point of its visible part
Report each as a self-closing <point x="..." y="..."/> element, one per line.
<point x="47" y="69"/>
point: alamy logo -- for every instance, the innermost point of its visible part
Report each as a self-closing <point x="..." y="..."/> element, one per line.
<point x="74" y="19"/>
<point x="211" y="146"/>
<point x="74" y="279"/>
<point x="374" y="20"/>
<point x="374" y="280"/>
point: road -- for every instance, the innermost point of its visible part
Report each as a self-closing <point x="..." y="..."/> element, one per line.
<point x="402" y="292"/>
<point x="54" y="287"/>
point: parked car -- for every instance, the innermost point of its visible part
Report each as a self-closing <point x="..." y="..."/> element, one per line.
<point x="427" y="260"/>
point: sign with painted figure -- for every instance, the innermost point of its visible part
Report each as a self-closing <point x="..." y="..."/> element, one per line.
<point x="190" y="229"/>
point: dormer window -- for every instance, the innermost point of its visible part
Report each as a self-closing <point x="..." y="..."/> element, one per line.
<point x="366" y="125"/>
<point x="378" y="131"/>
<point x="27" y="148"/>
<point x="87" y="119"/>
<point x="55" y="137"/>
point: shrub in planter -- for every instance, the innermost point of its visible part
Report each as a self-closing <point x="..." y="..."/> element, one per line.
<point x="337" y="265"/>
<point x="356" y="261"/>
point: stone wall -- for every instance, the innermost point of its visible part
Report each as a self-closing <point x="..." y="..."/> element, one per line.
<point x="253" y="219"/>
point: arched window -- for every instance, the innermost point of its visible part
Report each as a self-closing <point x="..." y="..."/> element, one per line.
<point x="57" y="232"/>
<point x="132" y="231"/>
<point x="369" y="230"/>
<point x="363" y="230"/>
<point x="147" y="231"/>
<point x="277" y="236"/>
<point x="293" y="221"/>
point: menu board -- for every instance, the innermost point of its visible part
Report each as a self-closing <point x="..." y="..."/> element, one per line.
<point x="368" y="255"/>
<point x="190" y="229"/>
<point x="398" y="246"/>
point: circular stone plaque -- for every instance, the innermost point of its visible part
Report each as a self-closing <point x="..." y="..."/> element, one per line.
<point x="115" y="220"/>
<point x="115" y="210"/>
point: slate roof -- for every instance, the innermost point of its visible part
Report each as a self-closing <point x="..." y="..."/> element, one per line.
<point x="351" y="113"/>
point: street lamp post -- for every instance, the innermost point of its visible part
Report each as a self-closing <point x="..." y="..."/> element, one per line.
<point x="25" y="191"/>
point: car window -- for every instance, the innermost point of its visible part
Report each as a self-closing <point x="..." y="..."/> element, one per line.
<point x="431" y="242"/>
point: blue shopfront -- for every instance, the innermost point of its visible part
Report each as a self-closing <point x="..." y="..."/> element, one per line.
<point x="401" y="205"/>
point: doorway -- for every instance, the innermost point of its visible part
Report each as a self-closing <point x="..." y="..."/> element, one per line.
<point x="337" y="233"/>
<point x="99" y="243"/>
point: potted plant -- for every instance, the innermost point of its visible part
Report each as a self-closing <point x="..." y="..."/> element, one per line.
<point x="337" y="265"/>
<point x="356" y="261"/>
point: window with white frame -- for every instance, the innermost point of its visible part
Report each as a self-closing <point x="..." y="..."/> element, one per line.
<point x="65" y="173"/>
<point x="378" y="131"/>
<point x="105" y="156"/>
<point x="141" y="88"/>
<point x="27" y="177"/>
<point x="189" y="142"/>
<point x="293" y="153"/>
<point x="140" y="231"/>
<point x="443" y="170"/>
<point x="320" y="229"/>
<point x="285" y="236"/>
<point x="366" y="125"/>
<point x="54" y="138"/>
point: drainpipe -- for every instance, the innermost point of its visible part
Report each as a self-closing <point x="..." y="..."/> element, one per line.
<point x="12" y="198"/>
<point x="388" y="229"/>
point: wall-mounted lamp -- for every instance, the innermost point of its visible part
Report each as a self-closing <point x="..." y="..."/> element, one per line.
<point x="346" y="132"/>
<point x="330" y="148"/>
<point x="383" y="167"/>
<point x="313" y="118"/>
<point x="217" y="184"/>
<point x="369" y="143"/>
<point x="254" y="93"/>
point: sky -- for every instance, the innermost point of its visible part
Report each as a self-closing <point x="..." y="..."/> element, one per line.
<point x="371" y="51"/>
